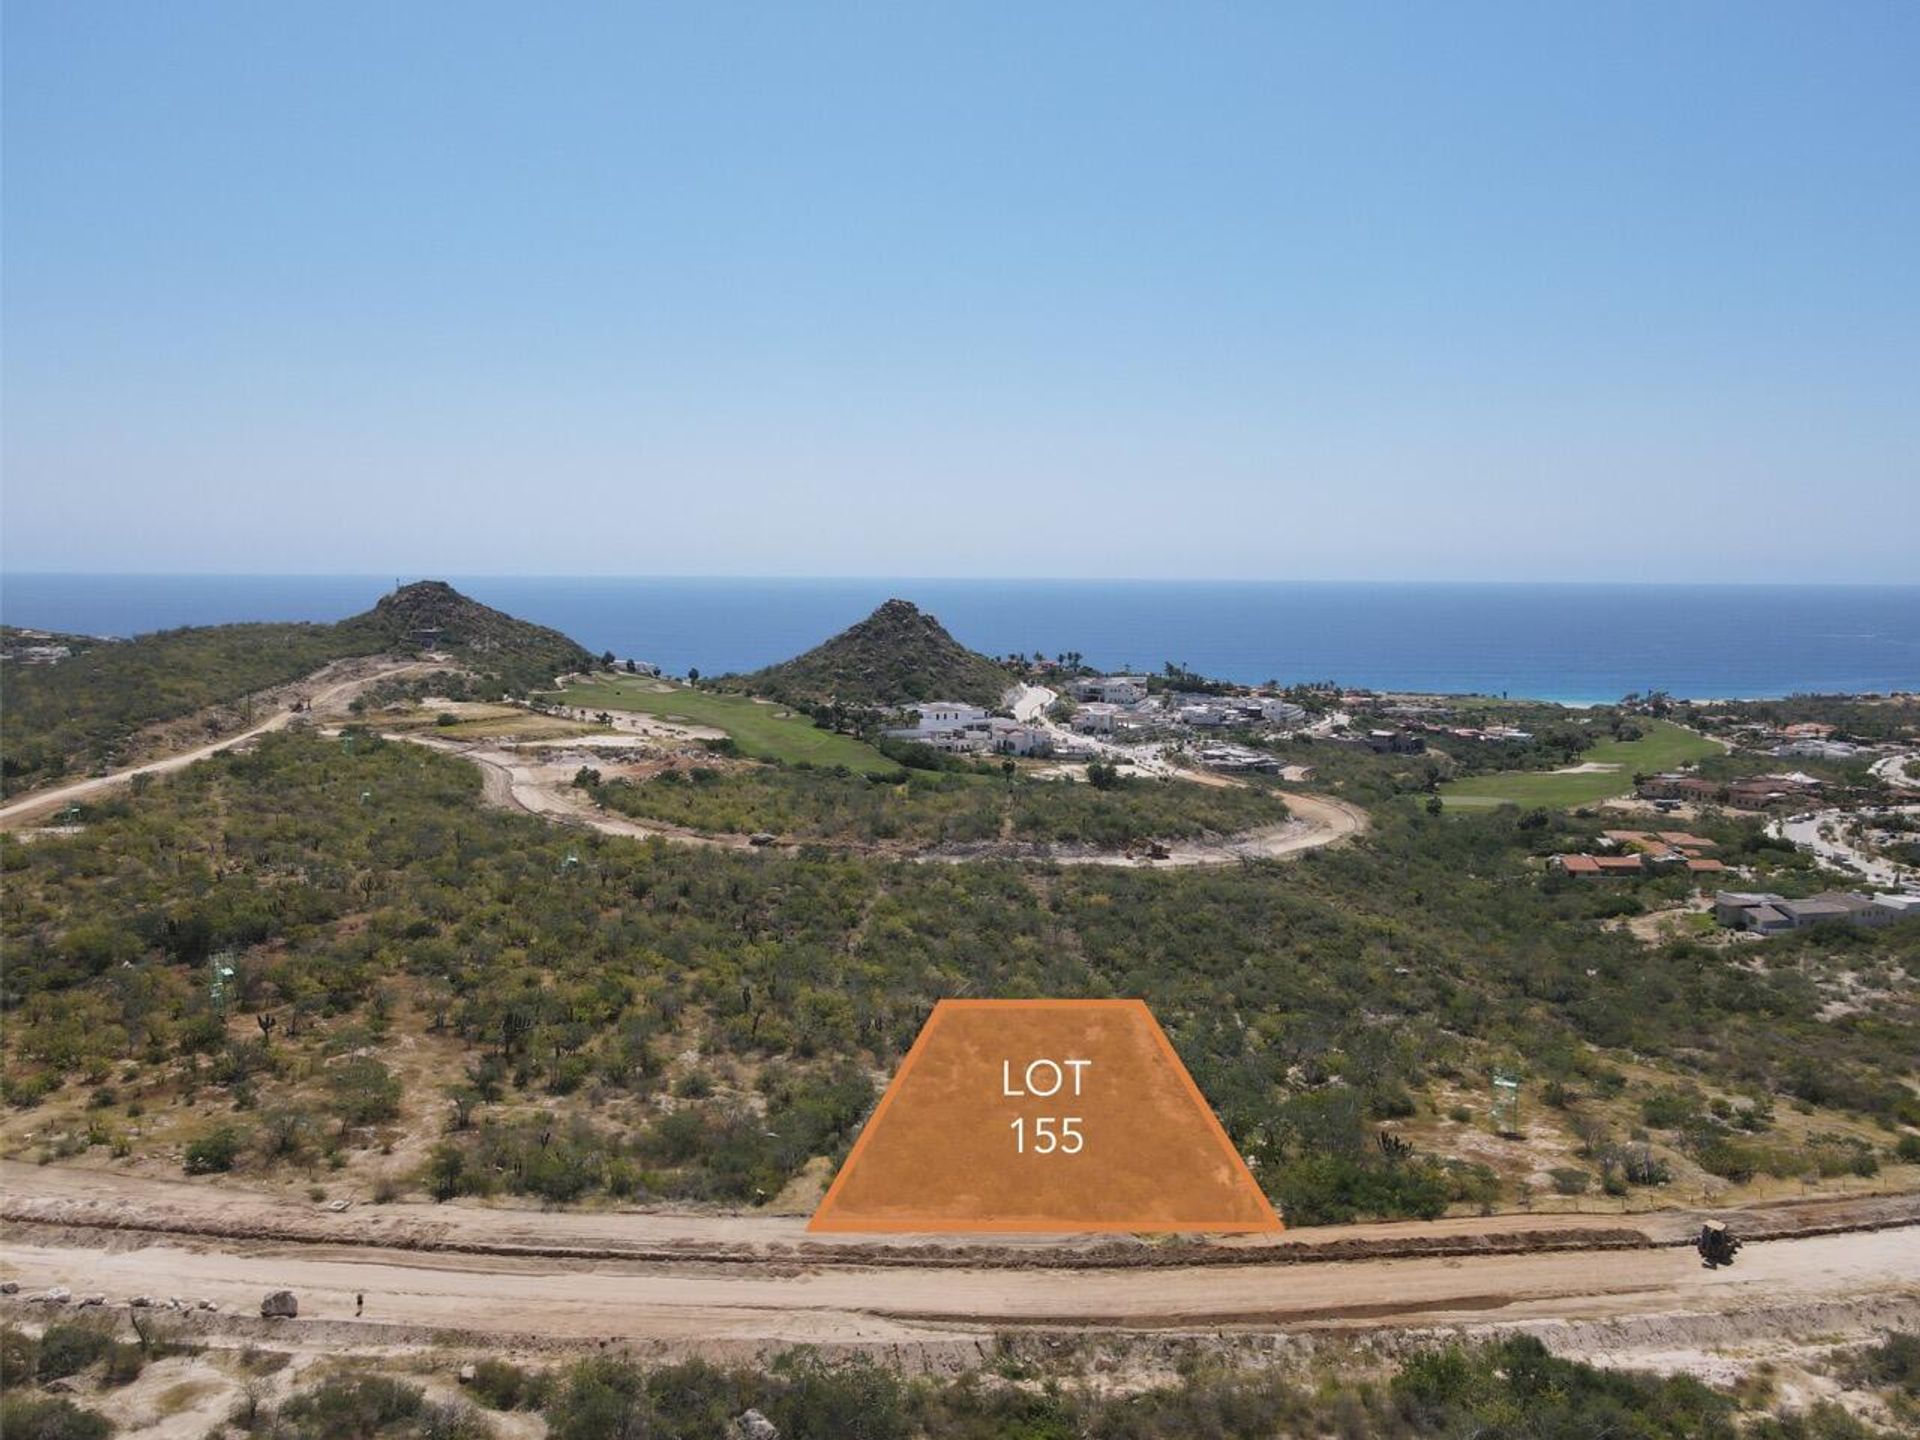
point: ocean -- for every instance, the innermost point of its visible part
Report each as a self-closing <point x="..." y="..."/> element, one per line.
<point x="1578" y="644"/>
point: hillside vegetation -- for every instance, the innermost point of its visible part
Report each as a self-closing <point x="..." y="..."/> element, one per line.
<point x="578" y="1014"/>
<point x="897" y="655"/>
<point x="82" y="713"/>
<point x="929" y="808"/>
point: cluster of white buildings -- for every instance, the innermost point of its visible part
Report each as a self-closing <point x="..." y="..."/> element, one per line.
<point x="1114" y="703"/>
<point x="956" y="727"/>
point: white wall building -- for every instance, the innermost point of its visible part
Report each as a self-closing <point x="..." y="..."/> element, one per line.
<point x="1281" y="712"/>
<point x="1095" y="718"/>
<point x="1111" y="689"/>
<point x="1010" y="737"/>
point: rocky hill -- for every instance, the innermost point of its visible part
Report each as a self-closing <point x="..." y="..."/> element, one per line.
<point x="897" y="655"/>
<point x="83" y="711"/>
<point x="432" y="615"/>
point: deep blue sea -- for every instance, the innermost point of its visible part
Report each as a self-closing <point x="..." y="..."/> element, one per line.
<point x="1574" y="643"/>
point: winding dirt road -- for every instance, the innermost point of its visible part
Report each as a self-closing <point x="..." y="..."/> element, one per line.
<point x="334" y="690"/>
<point x="516" y="780"/>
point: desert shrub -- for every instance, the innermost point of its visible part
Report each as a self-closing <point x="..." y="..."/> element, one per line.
<point x="19" y="1355"/>
<point x="1670" y="1108"/>
<point x="364" y="1091"/>
<point x="49" y="1417"/>
<point x="70" y="1347"/>
<point x="214" y="1151"/>
<point x="351" y="1407"/>
<point x="501" y="1385"/>
<point x="1568" y="1180"/>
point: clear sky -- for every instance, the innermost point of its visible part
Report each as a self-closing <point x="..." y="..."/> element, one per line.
<point x="1425" y="291"/>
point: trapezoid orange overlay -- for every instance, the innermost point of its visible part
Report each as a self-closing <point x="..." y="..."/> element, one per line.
<point x="1048" y="1116"/>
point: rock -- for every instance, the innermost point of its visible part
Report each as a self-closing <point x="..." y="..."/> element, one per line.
<point x="9" y="1287"/>
<point x="279" y="1305"/>
<point x="57" y="1387"/>
<point x="467" y="1374"/>
<point x="338" y="1206"/>
<point x="140" y="1302"/>
<point x="174" y="1302"/>
<point x="58" y="1295"/>
<point x="205" y="1305"/>
<point x="752" y="1425"/>
<point x="86" y="1300"/>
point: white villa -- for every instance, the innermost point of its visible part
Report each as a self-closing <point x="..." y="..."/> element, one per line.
<point x="951" y="725"/>
<point x="1204" y="716"/>
<point x="1276" y="711"/>
<point x="1095" y="718"/>
<point x="1112" y="689"/>
<point x="1010" y="737"/>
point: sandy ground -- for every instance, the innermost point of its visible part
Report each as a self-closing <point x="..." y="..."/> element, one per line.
<point x="329" y="691"/>
<point x="689" y="1278"/>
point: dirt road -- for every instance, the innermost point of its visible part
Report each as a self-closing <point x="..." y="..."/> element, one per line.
<point x="59" y="1231"/>
<point x="332" y="687"/>
<point x="540" y="785"/>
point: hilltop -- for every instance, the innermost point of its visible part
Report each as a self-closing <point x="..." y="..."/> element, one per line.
<point x="897" y="655"/>
<point x="87" y="709"/>
<point x="431" y="614"/>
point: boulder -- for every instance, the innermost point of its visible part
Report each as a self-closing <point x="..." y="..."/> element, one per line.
<point x="9" y="1287"/>
<point x="752" y="1425"/>
<point x="205" y="1305"/>
<point x="86" y="1300"/>
<point x="58" y="1295"/>
<point x="279" y="1305"/>
<point x="141" y="1302"/>
<point x="468" y="1374"/>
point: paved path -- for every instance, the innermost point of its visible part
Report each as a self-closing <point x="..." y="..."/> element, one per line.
<point x="1806" y="831"/>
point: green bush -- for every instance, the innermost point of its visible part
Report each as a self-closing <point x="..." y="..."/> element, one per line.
<point x="49" y="1417"/>
<point x="70" y="1347"/>
<point x="500" y="1385"/>
<point x="19" y="1357"/>
<point x="215" y="1151"/>
<point x="364" y="1091"/>
<point x="351" y="1407"/>
<point x="1567" y="1180"/>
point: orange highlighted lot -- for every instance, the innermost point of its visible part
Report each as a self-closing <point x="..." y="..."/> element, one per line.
<point x="1043" y="1115"/>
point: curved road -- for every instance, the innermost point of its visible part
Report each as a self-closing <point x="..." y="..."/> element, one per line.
<point x="330" y="696"/>
<point x="511" y="780"/>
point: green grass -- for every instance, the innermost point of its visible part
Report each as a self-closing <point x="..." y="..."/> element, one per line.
<point x="1664" y="746"/>
<point x="766" y="732"/>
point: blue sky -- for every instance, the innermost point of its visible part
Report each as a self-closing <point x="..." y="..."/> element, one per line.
<point x="1526" y="291"/>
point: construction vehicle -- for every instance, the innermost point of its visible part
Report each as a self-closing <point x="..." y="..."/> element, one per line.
<point x="1716" y="1244"/>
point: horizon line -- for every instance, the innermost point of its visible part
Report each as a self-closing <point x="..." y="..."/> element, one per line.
<point x="584" y="576"/>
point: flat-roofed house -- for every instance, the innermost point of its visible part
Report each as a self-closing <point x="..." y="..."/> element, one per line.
<point x="1111" y="689"/>
<point x="1095" y="718"/>
<point x="1010" y="737"/>
<point x="1731" y="907"/>
<point x="1897" y="907"/>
